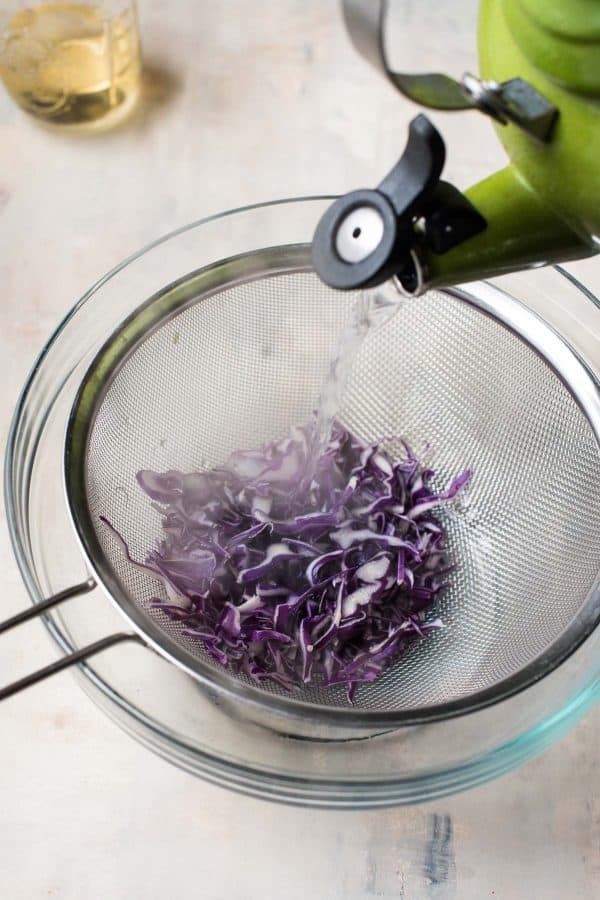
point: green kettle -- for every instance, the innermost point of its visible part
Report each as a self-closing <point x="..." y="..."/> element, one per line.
<point x="540" y="84"/>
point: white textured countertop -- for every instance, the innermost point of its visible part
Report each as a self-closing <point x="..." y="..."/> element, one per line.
<point x="247" y="101"/>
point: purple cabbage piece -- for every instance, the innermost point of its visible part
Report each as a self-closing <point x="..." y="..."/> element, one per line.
<point x="299" y="569"/>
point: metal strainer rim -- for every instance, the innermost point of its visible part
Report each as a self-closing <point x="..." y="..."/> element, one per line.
<point x="489" y="299"/>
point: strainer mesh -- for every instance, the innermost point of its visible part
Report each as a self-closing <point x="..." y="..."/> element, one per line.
<point x="236" y="369"/>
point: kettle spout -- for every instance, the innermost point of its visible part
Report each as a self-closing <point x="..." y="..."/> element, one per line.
<point x="425" y="233"/>
<point x="522" y="232"/>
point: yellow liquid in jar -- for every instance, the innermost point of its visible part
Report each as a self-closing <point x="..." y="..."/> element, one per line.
<point x="69" y="63"/>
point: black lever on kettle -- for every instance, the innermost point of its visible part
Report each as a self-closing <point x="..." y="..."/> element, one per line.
<point x="367" y="236"/>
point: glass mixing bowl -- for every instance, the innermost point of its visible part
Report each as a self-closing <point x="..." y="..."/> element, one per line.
<point x="159" y="704"/>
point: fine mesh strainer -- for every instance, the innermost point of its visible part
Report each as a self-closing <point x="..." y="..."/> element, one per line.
<point x="233" y="354"/>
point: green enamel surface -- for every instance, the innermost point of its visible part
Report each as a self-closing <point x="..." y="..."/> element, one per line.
<point x="545" y="207"/>
<point x="521" y="230"/>
<point x="577" y="19"/>
<point x="560" y="38"/>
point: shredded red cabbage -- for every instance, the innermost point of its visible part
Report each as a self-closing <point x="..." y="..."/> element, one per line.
<point x="299" y="569"/>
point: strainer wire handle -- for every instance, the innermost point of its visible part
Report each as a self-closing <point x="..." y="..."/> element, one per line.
<point x="66" y="661"/>
<point x="38" y="608"/>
